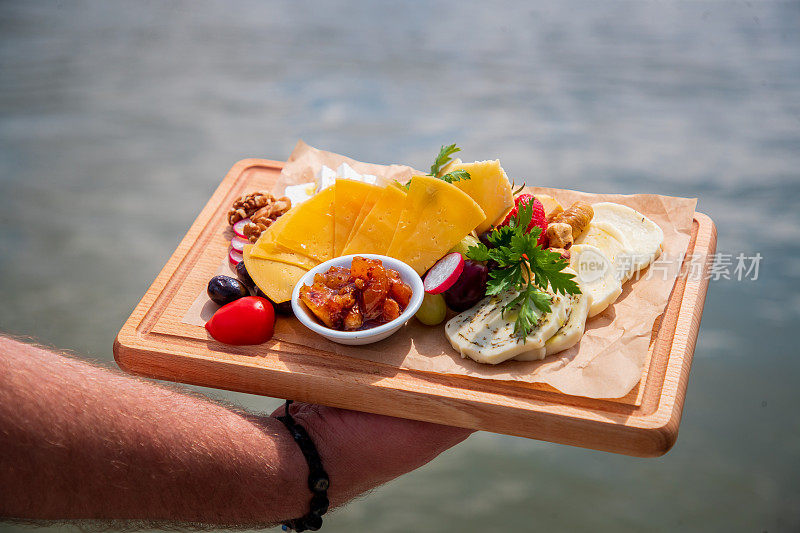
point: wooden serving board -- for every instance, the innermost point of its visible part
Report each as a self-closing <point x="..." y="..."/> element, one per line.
<point x="155" y="343"/>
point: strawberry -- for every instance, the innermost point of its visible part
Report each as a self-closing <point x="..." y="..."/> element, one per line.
<point x="537" y="220"/>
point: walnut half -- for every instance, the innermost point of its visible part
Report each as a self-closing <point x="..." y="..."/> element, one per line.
<point x="248" y="204"/>
<point x="261" y="208"/>
<point x="272" y="210"/>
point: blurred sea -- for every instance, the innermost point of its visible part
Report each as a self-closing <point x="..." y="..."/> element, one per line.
<point x="118" y="120"/>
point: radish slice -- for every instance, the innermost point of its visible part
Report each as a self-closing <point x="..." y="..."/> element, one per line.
<point x="238" y="228"/>
<point x="237" y="243"/>
<point x="235" y="257"/>
<point x="444" y="273"/>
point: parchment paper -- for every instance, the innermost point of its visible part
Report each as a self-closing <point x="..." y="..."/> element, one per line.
<point x="305" y="161"/>
<point x="607" y="363"/>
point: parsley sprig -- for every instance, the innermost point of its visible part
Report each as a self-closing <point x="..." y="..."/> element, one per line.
<point x="445" y="156"/>
<point x="456" y="175"/>
<point x="523" y="266"/>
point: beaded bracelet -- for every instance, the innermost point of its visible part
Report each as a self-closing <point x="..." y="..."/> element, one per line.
<point x="318" y="481"/>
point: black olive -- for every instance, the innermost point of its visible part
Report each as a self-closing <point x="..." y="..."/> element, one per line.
<point x="283" y="308"/>
<point x="225" y="289"/>
<point x="244" y="276"/>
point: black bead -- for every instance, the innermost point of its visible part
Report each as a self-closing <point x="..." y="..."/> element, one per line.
<point x="312" y="522"/>
<point x="306" y="446"/>
<point x="314" y="463"/>
<point x="319" y="483"/>
<point x="319" y="504"/>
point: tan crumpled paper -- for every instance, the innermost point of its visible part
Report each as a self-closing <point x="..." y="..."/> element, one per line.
<point x="609" y="360"/>
<point x="306" y="161"/>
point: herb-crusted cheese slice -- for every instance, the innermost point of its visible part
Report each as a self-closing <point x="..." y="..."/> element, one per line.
<point x="489" y="187"/>
<point x="375" y="233"/>
<point x="274" y="278"/>
<point x="436" y="216"/>
<point x="308" y="228"/>
<point x="570" y="333"/>
<point x="349" y="198"/>
<point x="540" y="353"/>
<point x="485" y="334"/>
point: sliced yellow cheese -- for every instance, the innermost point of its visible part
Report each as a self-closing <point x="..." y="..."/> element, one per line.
<point x="308" y="228"/>
<point x="375" y="233"/>
<point x="274" y="278"/>
<point x="489" y="187"/>
<point x="436" y="216"/>
<point x="349" y="198"/>
<point x="369" y="203"/>
<point x="449" y="167"/>
<point x="551" y="206"/>
<point x="267" y="248"/>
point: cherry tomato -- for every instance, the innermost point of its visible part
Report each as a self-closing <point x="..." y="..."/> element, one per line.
<point x="248" y="320"/>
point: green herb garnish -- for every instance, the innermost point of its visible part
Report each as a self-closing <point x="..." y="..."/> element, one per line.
<point x="525" y="267"/>
<point x="442" y="160"/>
<point x="444" y="157"/>
<point x="456" y="175"/>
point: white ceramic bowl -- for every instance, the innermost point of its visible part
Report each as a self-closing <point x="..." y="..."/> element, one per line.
<point x="366" y="336"/>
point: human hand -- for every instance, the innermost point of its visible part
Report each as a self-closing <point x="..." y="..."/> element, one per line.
<point x="362" y="450"/>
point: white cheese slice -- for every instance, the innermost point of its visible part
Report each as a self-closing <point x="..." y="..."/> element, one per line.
<point x="613" y="244"/>
<point x="484" y="334"/>
<point x="325" y="178"/>
<point x="596" y="276"/>
<point x="536" y="354"/>
<point x="541" y="353"/>
<point x="347" y="172"/>
<point x="570" y="333"/>
<point x="643" y="236"/>
<point x="300" y="193"/>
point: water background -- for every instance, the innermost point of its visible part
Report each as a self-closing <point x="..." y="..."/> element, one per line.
<point x="119" y="119"/>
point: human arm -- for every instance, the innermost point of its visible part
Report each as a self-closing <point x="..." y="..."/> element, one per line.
<point x="82" y="442"/>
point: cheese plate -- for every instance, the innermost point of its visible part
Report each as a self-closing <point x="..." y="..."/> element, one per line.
<point x="155" y="342"/>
